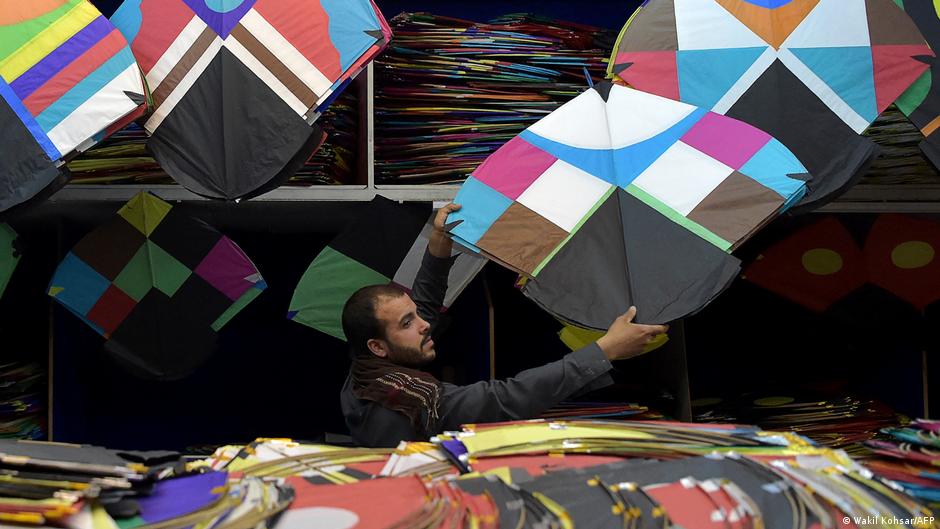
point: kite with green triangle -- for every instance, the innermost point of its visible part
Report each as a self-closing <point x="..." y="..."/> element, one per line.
<point x="921" y="102"/>
<point x="384" y="245"/>
<point x="9" y="255"/>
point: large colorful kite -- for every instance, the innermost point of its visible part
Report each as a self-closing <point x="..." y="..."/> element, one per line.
<point x="158" y="285"/>
<point x="67" y="78"/>
<point x="623" y="198"/>
<point x="237" y="85"/>
<point x="813" y="73"/>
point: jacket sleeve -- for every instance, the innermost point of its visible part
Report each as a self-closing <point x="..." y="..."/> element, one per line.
<point x="526" y="395"/>
<point x="430" y="286"/>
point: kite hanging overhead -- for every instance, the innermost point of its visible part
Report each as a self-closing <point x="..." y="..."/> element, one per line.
<point x="813" y="73"/>
<point x="623" y="198"/>
<point x="237" y="85"/>
<point x="67" y="78"/>
<point x="822" y="263"/>
<point x="158" y="285"/>
<point x="383" y="245"/>
<point x="814" y="267"/>
<point x="921" y="102"/>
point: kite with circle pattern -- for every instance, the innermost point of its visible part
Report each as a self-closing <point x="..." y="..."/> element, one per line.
<point x="238" y="84"/>
<point x="813" y="73"/>
<point x="822" y="263"/>
<point x="623" y="198"/>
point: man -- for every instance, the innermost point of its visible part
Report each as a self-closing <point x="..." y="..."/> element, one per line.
<point x="387" y="398"/>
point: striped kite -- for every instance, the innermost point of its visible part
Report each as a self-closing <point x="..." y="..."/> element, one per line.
<point x="67" y="79"/>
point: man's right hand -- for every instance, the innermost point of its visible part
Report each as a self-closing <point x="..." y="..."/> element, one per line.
<point x="625" y="339"/>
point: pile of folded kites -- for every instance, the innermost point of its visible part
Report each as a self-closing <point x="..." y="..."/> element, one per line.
<point x="22" y="401"/>
<point x="449" y="92"/>
<point x="522" y="474"/>
<point x="834" y="422"/>
<point x="46" y="484"/>
<point x="910" y="456"/>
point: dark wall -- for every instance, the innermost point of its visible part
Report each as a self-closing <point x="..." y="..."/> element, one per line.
<point x="268" y="377"/>
<point x="870" y="343"/>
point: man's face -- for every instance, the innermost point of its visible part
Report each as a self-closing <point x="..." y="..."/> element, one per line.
<point x="408" y="337"/>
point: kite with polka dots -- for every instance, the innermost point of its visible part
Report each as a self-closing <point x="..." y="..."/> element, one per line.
<point x="821" y="264"/>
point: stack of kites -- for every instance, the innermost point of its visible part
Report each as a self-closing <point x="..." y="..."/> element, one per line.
<point x="576" y="474"/>
<point x="158" y="285"/>
<point x="22" y="401"/>
<point x="843" y="422"/>
<point x="901" y="160"/>
<point x="528" y="474"/>
<point x="335" y="162"/>
<point x="607" y="411"/>
<point x="121" y="159"/>
<point x="449" y="92"/>
<point x="91" y="487"/>
<point x="67" y="79"/>
<point x="908" y="455"/>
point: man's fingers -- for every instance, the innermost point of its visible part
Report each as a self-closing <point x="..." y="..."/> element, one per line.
<point x="448" y="209"/>
<point x="653" y="330"/>
<point x="440" y="220"/>
<point x="630" y="314"/>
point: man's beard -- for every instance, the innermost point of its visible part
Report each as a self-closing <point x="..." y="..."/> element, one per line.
<point x="408" y="356"/>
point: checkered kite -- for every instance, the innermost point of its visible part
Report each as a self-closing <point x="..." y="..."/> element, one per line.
<point x="623" y="198"/>
<point x="67" y="78"/>
<point x="158" y="285"/>
<point x="237" y="84"/>
<point x="813" y="73"/>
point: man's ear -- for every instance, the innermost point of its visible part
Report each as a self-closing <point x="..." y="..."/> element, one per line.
<point x="378" y="347"/>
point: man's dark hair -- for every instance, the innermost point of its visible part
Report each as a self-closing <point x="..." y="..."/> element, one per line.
<point x="360" y="324"/>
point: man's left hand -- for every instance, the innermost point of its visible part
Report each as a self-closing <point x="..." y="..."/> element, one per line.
<point x="440" y="244"/>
